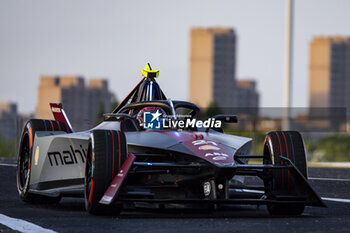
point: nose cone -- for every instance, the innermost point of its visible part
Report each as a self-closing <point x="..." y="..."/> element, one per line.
<point x="204" y="146"/>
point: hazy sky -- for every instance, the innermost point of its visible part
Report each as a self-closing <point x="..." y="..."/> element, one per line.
<point x="115" y="39"/>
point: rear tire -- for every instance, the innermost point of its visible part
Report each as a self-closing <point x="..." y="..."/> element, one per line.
<point x="107" y="152"/>
<point x="288" y="144"/>
<point x="24" y="160"/>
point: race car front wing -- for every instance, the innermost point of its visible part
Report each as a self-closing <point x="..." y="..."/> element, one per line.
<point x="303" y="194"/>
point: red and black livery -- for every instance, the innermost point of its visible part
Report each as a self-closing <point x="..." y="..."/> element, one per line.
<point x="120" y="164"/>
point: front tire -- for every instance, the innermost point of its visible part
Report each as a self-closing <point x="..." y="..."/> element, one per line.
<point x="24" y="161"/>
<point x="107" y="152"/>
<point x="288" y="144"/>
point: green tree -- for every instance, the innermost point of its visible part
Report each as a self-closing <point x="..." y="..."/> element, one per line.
<point x="101" y="111"/>
<point x="212" y="110"/>
<point x="7" y="148"/>
<point x="333" y="148"/>
<point x="114" y="103"/>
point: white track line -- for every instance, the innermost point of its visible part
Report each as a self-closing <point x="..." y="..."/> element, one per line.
<point x="336" y="199"/>
<point x="330" y="164"/>
<point x="8" y="164"/>
<point x="22" y="226"/>
<point x="328" y="179"/>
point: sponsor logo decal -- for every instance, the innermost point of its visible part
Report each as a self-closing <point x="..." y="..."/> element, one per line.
<point x="107" y="198"/>
<point x="217" y="156"/>
<point x="205" y="142"/>
<point x="121" y="173"/>
<point x="67" y="157"/>
<point x="36" y="156"/>
<point x="208" y="147"/>
<point x="55" y="109"/>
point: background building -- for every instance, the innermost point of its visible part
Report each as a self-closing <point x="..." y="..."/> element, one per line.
<point x="213" y="70"/>
<point x="8" y="120"/>
<point x="81" y="103"/>
<point x="246" y="94"/>
<point x="329" y="85"/>
<point x="11" y="126"/>
<point x="212" y="66"/>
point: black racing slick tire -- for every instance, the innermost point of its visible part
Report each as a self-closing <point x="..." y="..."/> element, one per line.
<point x="25" y="158"/>
<point x="290" y="145"/>
<point x="107" y="152"/>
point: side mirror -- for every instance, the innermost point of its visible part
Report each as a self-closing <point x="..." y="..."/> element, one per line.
<point x="226" y="118"/>
<point x="121" y="117"/>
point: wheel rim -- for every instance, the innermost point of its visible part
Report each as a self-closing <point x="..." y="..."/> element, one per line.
<point x="88" y="175"/>
<point x="24" y="162"/>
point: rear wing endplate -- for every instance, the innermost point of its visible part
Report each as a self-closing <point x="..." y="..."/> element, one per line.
<point x="59" y="115"/>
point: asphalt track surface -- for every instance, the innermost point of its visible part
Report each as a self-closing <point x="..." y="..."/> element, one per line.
<point x="70" y="216"/>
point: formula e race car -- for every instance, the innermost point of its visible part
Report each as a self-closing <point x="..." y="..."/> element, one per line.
<point x="147" y="152"/>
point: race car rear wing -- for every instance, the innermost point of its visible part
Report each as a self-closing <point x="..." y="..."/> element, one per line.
<point x="60" y="115"/>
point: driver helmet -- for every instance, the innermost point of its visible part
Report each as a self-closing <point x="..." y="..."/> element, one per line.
<point x="140" y="114"/>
